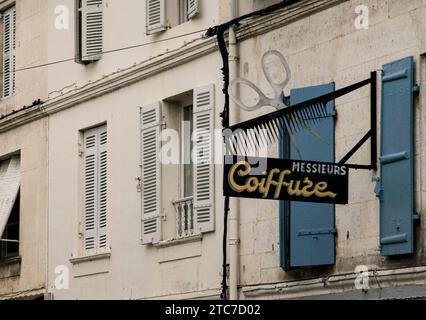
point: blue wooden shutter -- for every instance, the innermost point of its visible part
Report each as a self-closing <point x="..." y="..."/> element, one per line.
<point x="397" y="173"/>
<point x="311" y="226"/>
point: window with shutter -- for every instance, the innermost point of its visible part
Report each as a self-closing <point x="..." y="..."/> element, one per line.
<point x="91" y="30"/>
<point x="308" y="229"/>
<point x="151" y="173"/>
<point x="95" y="189"/>
<point x="192" y="8"/>
<point x="397" y="159"/>
<point x="10" y="182"/>
<point x="203" y="108"/>
<point x="9" y="242"/>
<point x="103" y="182"/>
<point x="9" y="44"/>
<point x="155" y="16"/>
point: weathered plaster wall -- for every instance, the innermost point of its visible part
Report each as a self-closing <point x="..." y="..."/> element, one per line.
<point x="323" y="48"/>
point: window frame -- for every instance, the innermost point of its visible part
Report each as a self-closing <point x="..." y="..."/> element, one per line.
<point x="173" y="13"/>
<point x="3" y="11"/>
<point x="79" y="37"/>
<point x="184" y="139"/>
<point x="183" y="11"/>
<point x="78" y="30"/>
<point x="16" y="213"/>
<point x="83" y="251"/>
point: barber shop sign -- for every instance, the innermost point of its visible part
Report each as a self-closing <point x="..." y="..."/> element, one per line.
<point x="281" y="179"/>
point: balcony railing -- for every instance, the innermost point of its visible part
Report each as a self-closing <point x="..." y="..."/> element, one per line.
<point x="184" y="209"/>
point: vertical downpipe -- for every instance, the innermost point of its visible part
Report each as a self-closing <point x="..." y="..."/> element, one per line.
<point x="234" y="219"/>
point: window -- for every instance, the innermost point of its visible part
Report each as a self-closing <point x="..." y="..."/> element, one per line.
<point x="89" y="31"/>
<point x="184" y="207"/>
<point x="95" y="190"/>
<point x="193" y="201"/>
<point x="163" y="14"/>
<point x="8" y="43"/>
<point x="187" y="125"/>
<point x="183" y="11"/>
<point x="10" y="181"/>
<point x="9" y="244"/>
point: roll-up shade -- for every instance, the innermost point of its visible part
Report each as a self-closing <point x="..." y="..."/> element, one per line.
<point x="10" y="182"/>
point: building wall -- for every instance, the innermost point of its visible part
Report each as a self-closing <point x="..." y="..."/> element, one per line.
<point x="321" y="48"/>
<point x="31" y="50"/>
<point x="131" y="270"/>
<point x="28" y="277"/>
<point x="124" y="26"/>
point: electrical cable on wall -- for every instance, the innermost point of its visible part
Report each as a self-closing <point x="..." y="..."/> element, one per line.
<point x="109" y="51"/>
<point x="219" y="32"/>
<point x="39" y="102"/>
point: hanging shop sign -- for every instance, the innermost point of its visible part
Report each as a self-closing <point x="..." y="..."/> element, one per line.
<point x="281" y="179"/>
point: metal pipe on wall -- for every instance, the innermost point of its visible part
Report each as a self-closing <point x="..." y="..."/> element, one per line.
<point x="234" y="219"/>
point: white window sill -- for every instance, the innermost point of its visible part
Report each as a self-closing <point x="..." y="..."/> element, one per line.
<point x="189" y="248"/>
<point x="93" y="265"/>
<point x="6" y="99"/>
<point x="95" y="257"/>
<point x="174" y="242"/>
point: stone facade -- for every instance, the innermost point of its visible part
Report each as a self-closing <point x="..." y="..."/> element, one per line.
<point x="322" y="44"/>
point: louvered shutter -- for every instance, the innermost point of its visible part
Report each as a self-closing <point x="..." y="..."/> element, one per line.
<point x="151" y="173"/>
<point x="203" y="159"/>
<point x="155" y="16"/>
<point x="91" y="184"/>
<point x="9" y="40"/>
<point x="92" y="30"/>
<point x="310" y="226"/>
<point x="397" y="159"/>
<point x="102" y="181"/>
<point x="10" y="181"/>
<point x="192" y="8"/>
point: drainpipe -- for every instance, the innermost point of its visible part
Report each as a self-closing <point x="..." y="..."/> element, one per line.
<point x="234" y="219"/>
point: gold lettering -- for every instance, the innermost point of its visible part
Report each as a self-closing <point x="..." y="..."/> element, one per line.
<point x="264" y="189"/>
<point x="252" y="184"/>
<point x="309" y="184"/>
<point x="322" y="186"/>
<point x="294" y="187"/>
<point x="294" y="190"/>
<point x="280" y="183"/>
<point x="242" y="172"/>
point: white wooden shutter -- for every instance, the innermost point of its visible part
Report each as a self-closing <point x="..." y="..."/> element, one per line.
<point x="151" y="173"/>
<point x="203" y="158"/>
<point x="103" y="160"/>
<point x="92" y="30"/>
<point x="10" y="182"/>
<point x="192" y="8"/>
<point x="90" y="190"/>
<point x="155" y="16"/>
<point x="9" y="44"/>
<point x="95" y="189"/>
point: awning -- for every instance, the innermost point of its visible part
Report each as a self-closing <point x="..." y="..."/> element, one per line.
<point x="10" y="182"/>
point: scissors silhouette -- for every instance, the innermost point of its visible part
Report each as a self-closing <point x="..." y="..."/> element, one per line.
<point x="280" y="101"/>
